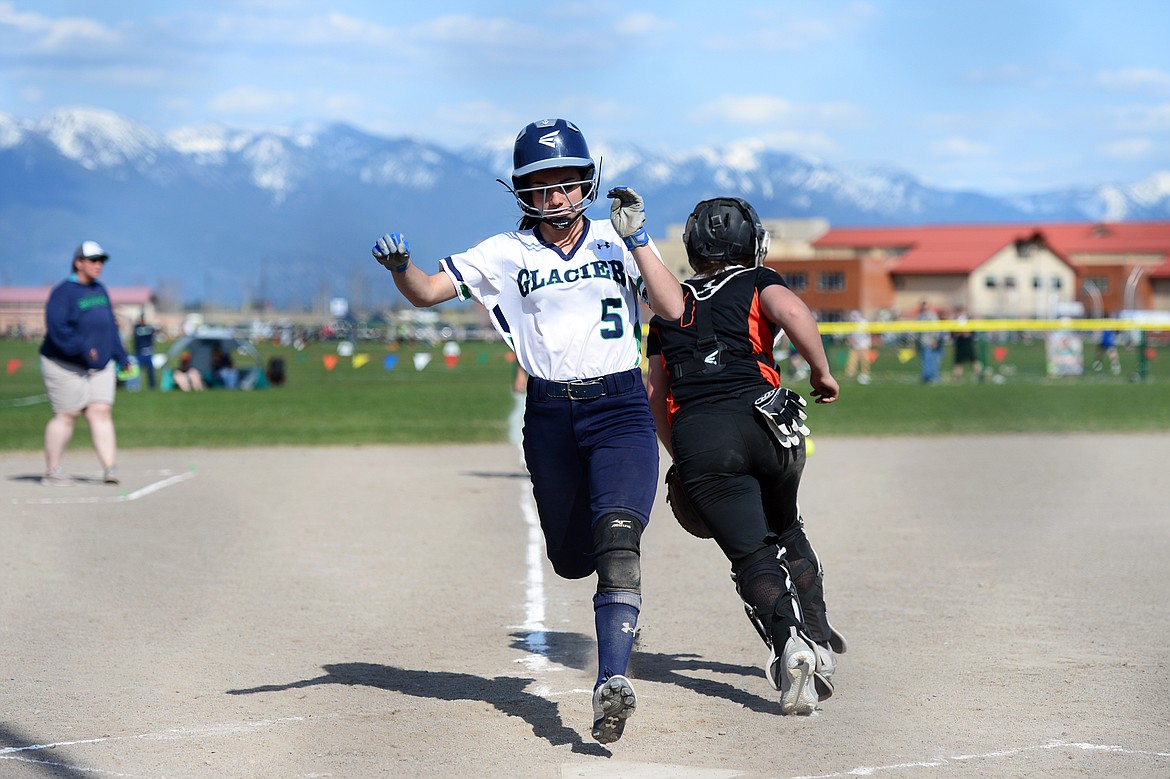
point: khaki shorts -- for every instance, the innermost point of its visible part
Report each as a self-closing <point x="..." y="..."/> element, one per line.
<point x="72" y="388"/>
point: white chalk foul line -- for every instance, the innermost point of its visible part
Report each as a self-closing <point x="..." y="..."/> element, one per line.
<point x="534" y="599"/>
<point x="534" y="602"/>
<point x="1009" y="752"/>
<point x="73" y="769"/>
<point x="29" y="401"/>
<point x="15" y="753"/>
<point x="121" y="498"/>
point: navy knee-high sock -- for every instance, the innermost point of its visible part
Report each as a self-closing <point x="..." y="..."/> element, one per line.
<point x="615" y="615"/>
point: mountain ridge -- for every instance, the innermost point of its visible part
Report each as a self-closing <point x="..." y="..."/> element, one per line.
<point x="228" y="215"/>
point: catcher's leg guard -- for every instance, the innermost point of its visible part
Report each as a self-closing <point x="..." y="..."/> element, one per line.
<point x="785" y="615"/>
<point x="808" y="577"/>
<point x="766" y="590"/>
<point x="752" y="615"/>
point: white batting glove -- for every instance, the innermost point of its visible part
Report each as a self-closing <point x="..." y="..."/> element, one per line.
<point x="392" y="251"/>
<point x="783" y="412"/>
<point x="627" y="212"/>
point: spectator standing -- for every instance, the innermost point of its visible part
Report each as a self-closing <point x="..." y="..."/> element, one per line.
<point x="930" y="345"/>
<point x="1107" y="350"/>
<point x="860" y="343"/>
<point x="964" y="349"/>
<point x="144" y="348"/>
<point x="79" y="356"/>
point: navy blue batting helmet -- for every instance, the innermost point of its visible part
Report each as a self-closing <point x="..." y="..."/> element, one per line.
<point x="548" y="144"/>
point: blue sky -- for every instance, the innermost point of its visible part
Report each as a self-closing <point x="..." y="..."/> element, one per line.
<point x="999" y="96"/>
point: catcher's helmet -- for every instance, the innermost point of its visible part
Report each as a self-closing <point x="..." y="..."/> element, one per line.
<point x="724" y="231"/>
<point x="548" y="144"/>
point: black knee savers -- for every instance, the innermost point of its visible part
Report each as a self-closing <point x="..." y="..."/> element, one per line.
<point x="617" y="542"/>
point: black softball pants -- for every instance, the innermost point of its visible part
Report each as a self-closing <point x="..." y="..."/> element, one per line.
<point x="741" y="481"/>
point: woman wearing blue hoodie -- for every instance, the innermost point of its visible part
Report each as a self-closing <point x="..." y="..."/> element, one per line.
<point x="79" y="357"/>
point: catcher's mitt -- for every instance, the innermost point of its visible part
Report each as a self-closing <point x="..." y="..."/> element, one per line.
<point x="684" y="510"/>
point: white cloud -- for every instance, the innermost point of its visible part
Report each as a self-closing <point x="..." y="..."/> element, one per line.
<point x="750" y="109"/>
<point x="1135" y="79"/>
<point x="340" y="105"/>
<point x="1128" y="149"/>
<point x="480" y="117"/>
<point x="54" y="34"/>
<point x="809" y="143"/>
<point x="956" y="146"/>
<point x="765" y="109"/>
<point x="777" y="28"/>
<point x="643" y="24"/>
<point x="998" y="75"/>
<point x="1153" y="118"/>
<point x="337" y="28"/>
<point x="464" y="29"/>
<point x="252" y="100"/>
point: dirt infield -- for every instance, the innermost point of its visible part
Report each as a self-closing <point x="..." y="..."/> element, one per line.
<point x="367" y="612"/>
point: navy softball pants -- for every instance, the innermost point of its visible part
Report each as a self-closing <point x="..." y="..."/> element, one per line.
<point x="588" y="458"/>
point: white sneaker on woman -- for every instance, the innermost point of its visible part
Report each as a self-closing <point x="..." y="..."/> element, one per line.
<point x="56" y="478"/>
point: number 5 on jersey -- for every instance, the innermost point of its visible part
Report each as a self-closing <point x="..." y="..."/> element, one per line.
<point x="611" y="312"/>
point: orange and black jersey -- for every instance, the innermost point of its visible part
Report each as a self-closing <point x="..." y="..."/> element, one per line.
<point x="721" y="347"/>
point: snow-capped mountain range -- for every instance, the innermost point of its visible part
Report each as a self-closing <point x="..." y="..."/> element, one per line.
<point x="228" y="215"/>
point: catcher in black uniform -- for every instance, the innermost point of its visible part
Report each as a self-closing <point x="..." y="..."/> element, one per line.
<point x="738" y="438"/>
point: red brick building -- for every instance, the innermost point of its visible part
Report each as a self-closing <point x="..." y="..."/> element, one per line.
<point x="1017" y="270"/>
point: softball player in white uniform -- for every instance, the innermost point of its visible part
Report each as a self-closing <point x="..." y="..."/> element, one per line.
<point x="564" y="292"/>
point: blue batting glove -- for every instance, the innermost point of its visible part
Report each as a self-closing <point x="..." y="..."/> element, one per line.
<point x="392" y="251"/>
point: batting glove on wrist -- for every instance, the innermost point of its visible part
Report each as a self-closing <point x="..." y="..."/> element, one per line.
<point x="392" y="251"/>
<point x="628" y="215"/>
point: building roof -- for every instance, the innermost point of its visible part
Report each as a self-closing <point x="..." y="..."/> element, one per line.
<point x="960" y="249"/>
<point x="1109" y="238"/>
<point x="119" y="296"/>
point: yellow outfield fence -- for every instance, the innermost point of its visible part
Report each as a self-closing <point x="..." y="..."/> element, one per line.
<point x="1063" y="343"/>
<point x="992" y="326"/>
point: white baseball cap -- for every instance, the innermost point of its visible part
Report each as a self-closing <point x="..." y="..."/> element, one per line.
<point x="90" y="250"/>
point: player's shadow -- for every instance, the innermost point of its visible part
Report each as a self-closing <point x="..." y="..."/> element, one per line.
<point x="687" y="670"/>
<point x="35" y="478"/>
<point x="496" y="474"/>
<point x="54" y="762"/>
<point x="507" y="694"/>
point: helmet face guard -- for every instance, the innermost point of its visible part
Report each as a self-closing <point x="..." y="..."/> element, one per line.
<point x="562" y="217"/>
<point x="547" y="145"/>
<point x="725" y="231"/>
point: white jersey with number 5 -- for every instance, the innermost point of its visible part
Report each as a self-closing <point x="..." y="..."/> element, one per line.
<point x="567" y="316"/>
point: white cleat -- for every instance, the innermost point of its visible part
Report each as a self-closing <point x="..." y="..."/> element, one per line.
<point x="613" y="703"/>
<point x="823" y="676"/>
<point x="792" y="673"/>
<point x="837" y="641"/>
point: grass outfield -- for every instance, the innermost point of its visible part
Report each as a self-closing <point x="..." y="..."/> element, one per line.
<point x="471" y="402"/>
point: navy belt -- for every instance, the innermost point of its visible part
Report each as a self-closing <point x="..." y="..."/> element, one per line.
<point x="575" y="390"/>
<point x="586" y="389"/>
